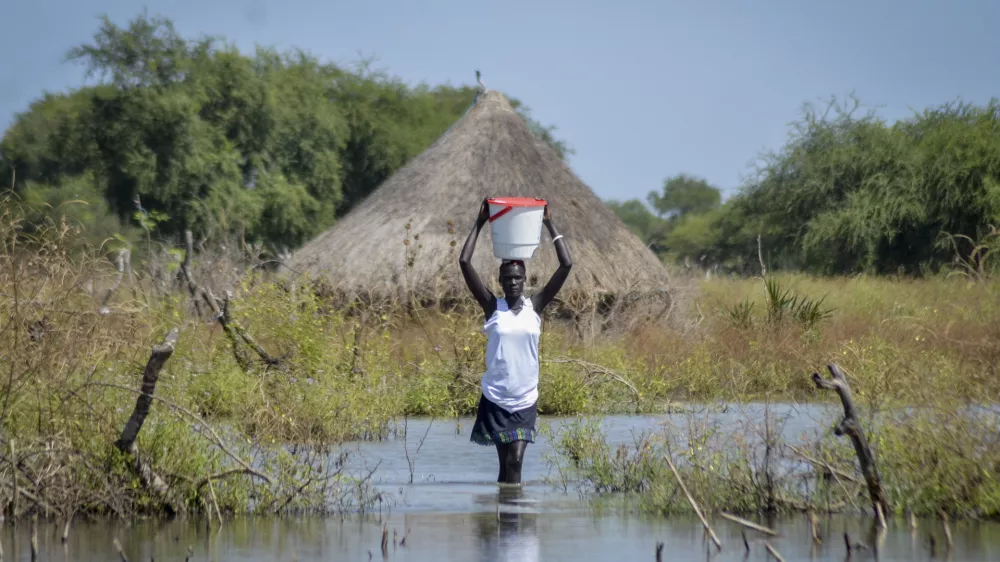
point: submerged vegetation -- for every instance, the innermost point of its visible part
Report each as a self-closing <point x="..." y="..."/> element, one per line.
<point x="940" y="458"/>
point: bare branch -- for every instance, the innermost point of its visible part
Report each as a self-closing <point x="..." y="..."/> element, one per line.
<point x="150" y="375"/>
<point x="123" y="258"/>
<point x="595" y="368"/>
<point x="773" y="552"/>
<point x="749" y="524"/>
<point x="126" y="442"/>
<point x="851" y="426"/>
<point x="693" y="503"/>
<point x="214" y="436"/>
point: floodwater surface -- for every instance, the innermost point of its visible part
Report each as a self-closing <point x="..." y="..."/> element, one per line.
<point x="453" y="510"/>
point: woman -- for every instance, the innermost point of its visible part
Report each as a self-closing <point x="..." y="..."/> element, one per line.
<point x="508" y="406"/>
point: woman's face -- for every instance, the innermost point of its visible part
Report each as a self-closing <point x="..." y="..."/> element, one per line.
<point x="512" y="280"/>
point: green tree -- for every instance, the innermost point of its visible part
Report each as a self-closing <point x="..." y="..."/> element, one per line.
<point x="683" y="194"/>
<point x="650" y="228"/>
<point x="851" y="193"/>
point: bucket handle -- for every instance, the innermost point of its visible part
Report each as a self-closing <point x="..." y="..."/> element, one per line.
<point x="501" y="212"/>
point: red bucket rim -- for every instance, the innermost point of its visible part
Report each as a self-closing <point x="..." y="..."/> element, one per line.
<point x="517" y="201"/>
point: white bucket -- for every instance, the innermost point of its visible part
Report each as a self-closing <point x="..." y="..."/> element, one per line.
<point x="516" y="226"/>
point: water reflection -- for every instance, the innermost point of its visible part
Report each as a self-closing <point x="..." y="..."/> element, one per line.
<point x="518" y="530"/>
<point x="512" y="534"/>
<point x="454" y="511"/>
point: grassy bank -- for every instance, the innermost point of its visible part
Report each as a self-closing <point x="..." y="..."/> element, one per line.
<point x="287" y="375"/>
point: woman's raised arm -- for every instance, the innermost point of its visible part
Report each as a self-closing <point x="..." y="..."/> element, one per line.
<point x="472" y="280"/>
<point x="542" y="299"/>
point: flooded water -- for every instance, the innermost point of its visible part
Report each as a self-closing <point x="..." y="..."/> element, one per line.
<point x="453" y="510"/>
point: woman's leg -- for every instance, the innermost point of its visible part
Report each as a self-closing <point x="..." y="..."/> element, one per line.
<point x="502" y="457"/>
<point x="513" y="461"/>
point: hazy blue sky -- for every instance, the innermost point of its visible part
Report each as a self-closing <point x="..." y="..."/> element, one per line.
<point x="641" y="89"/>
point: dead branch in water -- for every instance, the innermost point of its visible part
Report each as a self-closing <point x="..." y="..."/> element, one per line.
<point x="694" y="504"/>
<point x="773" y="552"/>
<point x="385" y="540"/>
<point x="851" y="426"/>
<point x="119" y="550"/>
<point x="34" y="537"/>
<point x="211" y="435"/>
<point x="814" y="527"/>
<point x="65" y="533"/>
<point x="947" y="529"/>
<point x="126" y="442"/>
<point x="749" y="524"/>
<point x="220" y="312"/>
<point x="13" y="478"/>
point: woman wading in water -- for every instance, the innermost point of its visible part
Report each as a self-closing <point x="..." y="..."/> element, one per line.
<point x="508" y="406"/>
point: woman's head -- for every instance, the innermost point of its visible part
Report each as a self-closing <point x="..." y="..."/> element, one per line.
<point x="512" y="273"/>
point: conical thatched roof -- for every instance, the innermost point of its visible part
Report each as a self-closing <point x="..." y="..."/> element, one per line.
<point x="432" y="203"/>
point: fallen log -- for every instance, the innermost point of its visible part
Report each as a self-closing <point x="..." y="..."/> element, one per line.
<point x="851" y="426"/>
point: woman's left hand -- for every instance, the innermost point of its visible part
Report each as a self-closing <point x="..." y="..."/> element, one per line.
<point x="546" y="217"/>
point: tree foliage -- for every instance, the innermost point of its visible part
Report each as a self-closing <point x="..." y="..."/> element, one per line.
<point x="683" y="194"/>
<point x="273" y="146"/>
<point x="650" y="228"/>
<point x="851" y="193"/>
<point x="682" y="202"/>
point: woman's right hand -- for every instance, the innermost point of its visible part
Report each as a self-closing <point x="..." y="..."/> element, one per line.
<point x="484" y="212"/>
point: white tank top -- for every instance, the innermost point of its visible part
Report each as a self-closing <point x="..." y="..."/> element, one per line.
<point x="511" y="377"/>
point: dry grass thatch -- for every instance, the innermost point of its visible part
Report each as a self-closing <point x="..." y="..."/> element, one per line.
<point x="405" y="237"/>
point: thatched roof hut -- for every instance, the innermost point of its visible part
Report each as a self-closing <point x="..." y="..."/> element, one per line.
<point x="407" y="235"/>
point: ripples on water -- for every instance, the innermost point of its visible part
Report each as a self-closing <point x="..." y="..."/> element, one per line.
<point x="453" y="511"/>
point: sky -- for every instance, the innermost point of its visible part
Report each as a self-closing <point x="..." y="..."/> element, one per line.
<point x="641" y="90"/>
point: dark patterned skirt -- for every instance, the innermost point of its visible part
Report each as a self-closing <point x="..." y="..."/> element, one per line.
<point x="496" y="426"/>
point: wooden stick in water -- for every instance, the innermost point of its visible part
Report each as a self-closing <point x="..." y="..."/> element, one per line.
<point x="65" y="533"/>
<point x="215" y="503"/>
<point x="773" y="552"/>
<point x="814" y="524"/>
<point x="34" y="538"/>
<point x="13" y="475"/>
<point x="121" y="553"/>
<point x="947" y="528"/>
<point x="749" y="524"/>
<point x="697" y="510"/>
<point x="385" y="540"/>
<point x="851" y="426"/>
